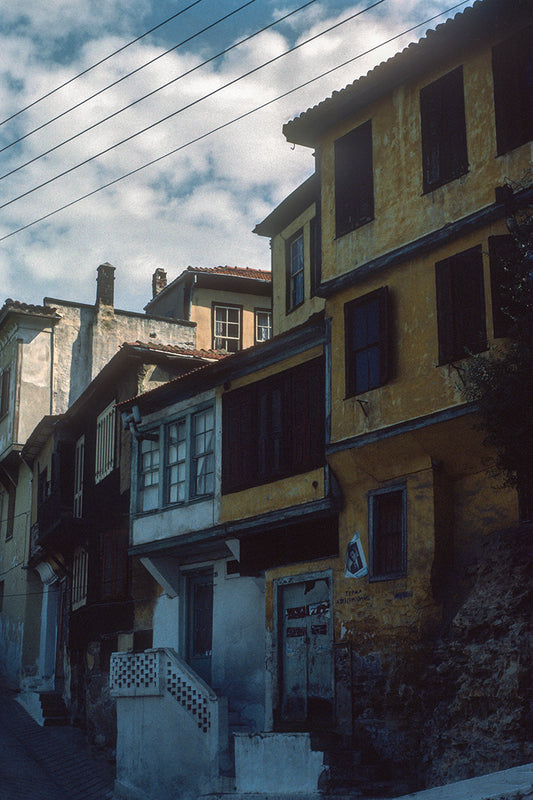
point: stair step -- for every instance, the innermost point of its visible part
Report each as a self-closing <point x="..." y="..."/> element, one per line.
<point x="53" y="709"/>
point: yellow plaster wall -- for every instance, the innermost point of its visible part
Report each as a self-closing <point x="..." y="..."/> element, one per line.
<point x="402" y="212"/>
<point x="201" y="313"/>
<point x="282" y="320"/>
<point x="418" y="385"/>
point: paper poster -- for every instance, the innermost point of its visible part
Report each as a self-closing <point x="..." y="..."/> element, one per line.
<point x="356" y="566"/>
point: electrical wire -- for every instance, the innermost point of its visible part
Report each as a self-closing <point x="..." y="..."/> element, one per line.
<point x="119" y="80"/>
<point x="154" y="91"/>
<point x="189" y="105"/>
<point x="230" y="122"/>
<point x="97" y="64"/>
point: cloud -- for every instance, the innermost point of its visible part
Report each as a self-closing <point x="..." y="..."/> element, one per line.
<point x="195" y="207"/>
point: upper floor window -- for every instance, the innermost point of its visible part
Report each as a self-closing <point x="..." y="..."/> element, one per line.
<point x="105" y="442"/>
<point x="460" y="305"/>
<point x="263" y="325"/>
<point x="149" y="474"/>
<point x="388" y="538"/>
<point x="354" y="179"/>
<point x="366" y="328"/>
<point x="274" y="427"/>
<point x="512" y="69"/>
<point x="442" y="117"/>
<point x="10" y="519"/>
<point x="4" y="392"/>
<point x="227" y="328"/>
<point x="178" y="465"/>
<point x="80" y="568"/>
<point x="295" y="271"/>
<point x="79" y="455"/>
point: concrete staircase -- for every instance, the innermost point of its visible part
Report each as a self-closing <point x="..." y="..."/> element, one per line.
<point x="53" y="709"/>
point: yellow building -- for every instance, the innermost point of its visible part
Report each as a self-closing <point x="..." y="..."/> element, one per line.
<point x="421" y="162"/>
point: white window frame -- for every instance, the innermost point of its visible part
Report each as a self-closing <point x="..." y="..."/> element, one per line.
<point x="191" y="466"/>
<point x="263" y="326"/>
<point x="221" y="336"/>
<point x="149" y="472"/>
<point x="80" y="575"/>
<point x="79" y="458"/>
<point x="105" y="442"/>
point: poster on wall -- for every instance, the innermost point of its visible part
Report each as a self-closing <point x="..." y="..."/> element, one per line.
<point x="355" y="565"/>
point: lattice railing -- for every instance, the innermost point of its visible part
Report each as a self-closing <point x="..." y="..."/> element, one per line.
<point x="155" y="672"/>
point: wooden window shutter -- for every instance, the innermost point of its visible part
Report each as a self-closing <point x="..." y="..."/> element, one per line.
<point x="354" y="179"/>
<point x="460" y="305"/>
<point x="384" y="335"/>
<point x="512" y="70"/>
<point x="444" y="284"/>
<point x="443" y="124"/>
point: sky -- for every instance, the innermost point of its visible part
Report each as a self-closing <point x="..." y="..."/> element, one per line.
<point x="198" y="203"/>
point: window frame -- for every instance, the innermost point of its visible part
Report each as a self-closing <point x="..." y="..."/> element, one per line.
<point x="453" y="313"/>
<point x="513" y="112"/>
<point x="260" y="446"/>
<point x="258" y="311"/>
<point x="443" y="130"/>
<point x="373" y="499"/>
<point x="5" y="381"/>
<point x="79" y="469"/>
<point x="354" y="179"/>
<point x="195" y="456"/>
<point x="105" y="442"/>
<point x="162" y="445"/>
<point x="226" y="307"/>
<point x="382" y="296"/>
<point x="295" y="279"/>
<point x="149" y="444"/>
<point x="80" y="578"/>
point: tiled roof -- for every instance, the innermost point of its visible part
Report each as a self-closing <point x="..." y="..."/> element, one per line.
<point x="177" y="350"/>
<point x="240" y="272"/>
<point x="465" y="27"/>
<point x="27" y="308"/>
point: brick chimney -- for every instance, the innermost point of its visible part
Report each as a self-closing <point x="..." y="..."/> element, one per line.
<point x="159" y="281"/>
<point x="104" y="285"/>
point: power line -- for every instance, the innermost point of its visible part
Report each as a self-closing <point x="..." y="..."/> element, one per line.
<point x="114" y="83"/>
<point x="154" y="91"/>
<point x="230" y="122"/>
<point x="188" y="106"/>
<point x="97" y="64"/>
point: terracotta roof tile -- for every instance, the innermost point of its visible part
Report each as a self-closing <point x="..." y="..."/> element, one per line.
<point x="177" y="350"/>
<point x="27" y="308"/>
<point x="240" y="272"/>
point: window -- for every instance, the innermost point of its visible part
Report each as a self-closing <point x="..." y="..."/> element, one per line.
<point x="354" y="179"/>
<point x="176" y="462"/>
<point x="366" y="330"/>
<point x="263" y="324"/>
<point x="442" y="117"/>
<point x="79" y="455"/>
<point x="181" y="466"/>
<point x="388" y="539"/>
<point x="1" y="596"/>
<point x="105" y="443"/>
<point x="43" y="486"/>
<point x="227" y="328"/>
<point x="503" y="253"/>
<point x="512" y="69"/>
<point x="295" y="271"/>
<point x="149" y="474"/>
<point x="80" y="564"/>
<point x="114" y="565"/>
<point x="274" y="427"/>
<point x="460" y="305"/>
<point x="4" y="392"/>
<point x="202" y="451"/>
<point x="10" y="526"/>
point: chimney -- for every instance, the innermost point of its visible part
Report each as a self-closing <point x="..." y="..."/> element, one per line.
<point x="104" y="285"/>
<point x="159" y="281"/>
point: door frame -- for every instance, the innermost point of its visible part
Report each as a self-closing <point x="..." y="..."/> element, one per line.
<point x="277" y="671"/>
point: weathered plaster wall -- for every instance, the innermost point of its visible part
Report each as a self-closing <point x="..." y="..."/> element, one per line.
<point x="202" y="314"/>
<point x="282" y="320"/>
<point x="402" y="211"/>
